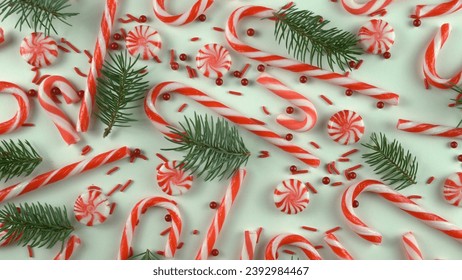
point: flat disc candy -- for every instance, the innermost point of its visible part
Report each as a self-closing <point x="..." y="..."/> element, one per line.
<point x="39" y="50"/>
<point x="452" y="189"/>
<point x="143" y="41"/>
<point x="92" y="207"/>
<point x="376" y="36"/>
<point x="172" y="179"/>
<point x="346" y="127"/>
<point x="213" y="61"/>
<point x="291" y="196"/>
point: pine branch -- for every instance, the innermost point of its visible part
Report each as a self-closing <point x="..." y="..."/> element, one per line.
<point x="391" y="161"/>
<point x="119" y="89"/>
<point x="213" y="147"/>
<point x="457" y="100"/>
<point x="17" y="159"/>
<point x="148" y="256"/>
<point x="37" y="14"/>
<point x="36" y="225"/>
<point x="307" y="39"/>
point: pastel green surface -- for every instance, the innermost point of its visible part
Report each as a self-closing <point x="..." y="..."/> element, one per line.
<point x="254" y="207"/>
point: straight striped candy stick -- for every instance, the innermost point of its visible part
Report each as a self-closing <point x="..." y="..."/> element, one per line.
<point x="444" y="8"/>
<point x="411" y="247"/>
<point x="429" y="129"/>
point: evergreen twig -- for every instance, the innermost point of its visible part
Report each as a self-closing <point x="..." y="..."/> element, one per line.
<point x="36" y="225"/>
<point x="37" y="14"/>
<point x="119" y="89"/>
<point x="214" y="148"/>
<point x="391" y="161"/>
<point x="458" y="101"/>
<point x="17" y="159"/>
<point x="306" y="38"/>
<point x="148" y="255"/>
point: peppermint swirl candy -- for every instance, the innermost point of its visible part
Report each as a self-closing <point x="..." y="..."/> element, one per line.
<point x="172" y="179"/>
<point x="376" y="36"/>
<point x="143" y="41"/>
<point x="39" y="50"/>
<point x="92" y="207"/>
<point x="452" y="189"/>
<point x="291" y="196"/>
<point x="213" y="61"/>
<point x="345" y="127"/>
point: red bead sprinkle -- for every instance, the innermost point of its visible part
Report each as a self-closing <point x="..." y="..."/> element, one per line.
<point x="289" y="136"/>
<point x="136" y="152"/>
<point x="195" y="232"/>
<point x="215" y="252"/>
<point x="351" y="176"/>
<point x="213" y="205"/>
<point x="219" y="81"/>
<point x="117" y="36"/>
<point x="55" y="91"/>
<point x="114" y="46"/>
<point x="348" y="92"/>
<point x="352" y="64"/>
<point x="166" y="96"/>
<point x="303" y="79"/>
<point x="143" y="18"/>
<point x="417" y="22"/>
<point x="237" y="74"/>
<point x="387" y="55"/>
<point x="290" y="110"/>
<point x="175" y="66"/>
<point x="260" y="68"/>
<point x="293" y="168"/>
<point x="80" y="93"/>
<point x="250" y="32"/>
<point x="32" y="93"/>
<point x="325" y="180"/>
<point x="355" y="204"/>
<point x="454" y="144"/>
<point x="168" y="218"/>
<point x="380" y="104"/>
<point x="459" y="157"/>
<point x="183" y="57"/>
<point x="202" y="17"/>
<point x="244" y="82"/>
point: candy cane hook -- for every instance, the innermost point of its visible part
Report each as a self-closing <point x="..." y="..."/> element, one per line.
<point x="399" y="200"/>
<point x="291" y="239"/>
<point x="23" y="103"/>
<point x="370" y="7"/>
<point x="293" y="65"/>
<point x="125" y="249"/>
<point x="251" y="125"/>
<point x="310" y="115"/>
<point x="181" y="19"/>
<point x="337" y="248"/>
<point x="46" y="99"/>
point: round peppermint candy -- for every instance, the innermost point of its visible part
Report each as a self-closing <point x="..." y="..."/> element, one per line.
<point x="143" y="41"/>
<point x="291" y="196"/>
<point x="376" y="36"/>
<point x="172" y="179"/>
<point x="345" y="127"/>
<point x="92" y="207"/>
<point x="213" y="61"/>
<point x="39" y="50"/>
<point x="452" y="189"/>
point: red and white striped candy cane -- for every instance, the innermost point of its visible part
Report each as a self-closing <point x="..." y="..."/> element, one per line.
<point x="60" y="174"/>
<point x="337" y="248"/>
<point x="310" y="115"/>
<point x="411" y="247"/>
<point x="72" y="244"/>
<point x="431" y="54"/>
<point x="181" y="19"/>
<point x="220" y="216"/>
<point x="400" y="201"/>
<point x="23" y="103"/>
<point x="251" y="239"/>
<point x="445" y="8"/>
<point x="429" y="129"/>
<point x="291" y="239"/>
<point x="251" y="125"/>
<point x="46" y="99"/>
<point x="102" y="43"/>
<point x="368" y="8"/>
<point x="293" y="65"/>
<point x="125" y="249"/>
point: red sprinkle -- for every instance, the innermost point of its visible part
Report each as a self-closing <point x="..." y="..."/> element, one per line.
<point x="287" y="6"/>
<point x="112" y="170"/>
<point x="126" y="185"/>
<point x="263" y="154"/>
<point x="123" y="32"/>
<point x="195" y="232"/>
<point x="360" y="62"/>
<point x="318" y="247"/>
<point x="37" y="74"/>
<point x="190" y="74"/>
<point x="131" y="18"/>
<point x="350" y="152"/>
<point x="39" y="81"/>
<point x="88" y="54"/>
<point x="114" y="189"/>
<point x="335" y="168"/>
<point x="329" y="168"/>
<point x="172" y="56"/>
<point x="31" y="252"/>
<point x="430" y="180"/>
<point x="310" y="187"/>
<point x="346" y="74"/>
<point x="80" y="73"/>
<point x="165" y="231"/>
<point x="287" y="251"/>
<point x="86" y="150"/>
<point x="342" y="159"/>
<point x="265" y="110"/>
<point x="164" y="159"/>
<point x="326" y="99"/>
<point x="314" y="144"/>
<point x="333" y="230"/>
<point x="160" y="253"/>
<point x="235" y="92"/>
<point x="380" y="12"/>
<point x="63" y="49"/>
<point x="299" y="172"/>
<point x="414" y="197"/>
<point x="70" y="45"/>
<point x="193" y="39"/>
<point x="28" y="124"/>
<point x="427" y="85"/>
<point x="113" y="206"/>
<point x="309" y="228"/>
<point x="336" y="184"/>
<point x="182" y="107"/>
<point x="180" y="245"/>
<point x="348" y="170"/>
<point x="219" y="29"/>
<point x="246" y="67"/>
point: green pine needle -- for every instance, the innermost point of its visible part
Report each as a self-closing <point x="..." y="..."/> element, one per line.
<point x="146" y="256"/>
<point x="458" y="101"/>
<point x="17" y="159"/>
<point x="391" y="161"/>
<point x="120" y="88"/>
<point x="36" y="225"/>
<point x="37" y="14"/>
<point x="307" y="39"/>
<point x="214" y="148"/>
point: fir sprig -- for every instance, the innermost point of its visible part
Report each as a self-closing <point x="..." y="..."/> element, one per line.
<point x="214" y="148"/>
<point x="458" y="101"/>
<point x="17" y="159"/>
<point x="36" y="225"/>
<point x="306" y="38"/>
<point x="119" y="88"/>
<point x="391" y="161"/>
<point x="37" y="14"/>
<point x="148" y="255"/>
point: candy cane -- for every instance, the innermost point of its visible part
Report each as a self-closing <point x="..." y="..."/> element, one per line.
<point x="65" y="172"/>
<point x="429" y="129"/>
<point x="181" y="19"/>
<point x="411" y="247"/>
<point x="294" y="240"/>
<point x="368" y="8"/>
<point x="102" y="43"/>
<point x="445" y="8"/>
<point x="23" y="103"/>
<point x="251" y="125"/>
<point x="310" y="115"/>
<point x="431" y="54"/>
<point x="399" y="200"/>
<point x="220" y="216"/>
<point x="73" y="243"/>
<point x="293" y="65"/>
<point x="59" y="118"/>
<point x="251" y="239"/>
<point x="125" y="249"/>
<point x="337" y="248"/>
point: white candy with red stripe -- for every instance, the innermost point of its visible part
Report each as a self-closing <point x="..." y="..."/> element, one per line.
<point x="39" y="50"/>
<point x="452" y="189"/>
<point x="213" y="60"/>
<point x="143" y="41"/>
<point x="92" y="207"/>
<point x="172" y="179"/>
<point x="345" y="127"/>
<point x="294" y="240"/>
<point x="251" y="239"/>
<point x="411" y="247"/>
<point x="23" y="112"/>
<point x="291" y="196"/>
<point x="376" y="36"/>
